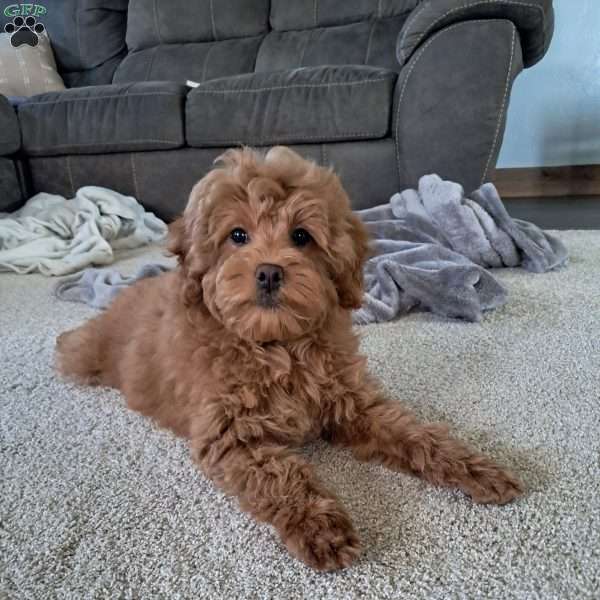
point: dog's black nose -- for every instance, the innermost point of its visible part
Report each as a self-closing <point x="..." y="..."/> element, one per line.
<point x="269" y="278"/>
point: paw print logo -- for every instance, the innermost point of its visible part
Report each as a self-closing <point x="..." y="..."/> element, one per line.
<point x="24" y="31"/>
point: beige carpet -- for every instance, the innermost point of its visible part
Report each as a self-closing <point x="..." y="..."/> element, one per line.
<point x="97" y="503"/>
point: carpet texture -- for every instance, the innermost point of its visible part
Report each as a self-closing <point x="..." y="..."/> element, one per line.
<point x="96" y="502"/>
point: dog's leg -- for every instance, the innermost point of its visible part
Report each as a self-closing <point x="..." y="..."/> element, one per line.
<point x="277" y="486"/>
<point x="384" y="431"/>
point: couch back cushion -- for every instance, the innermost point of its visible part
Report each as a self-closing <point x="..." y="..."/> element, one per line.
<point x="207" y="39"/>
<point x="87" y="36"/>
<point x="311" y="14"/>
<point x="307" y="33"/>
<point x="155" y="22"/>
<point x="197" y="40"/>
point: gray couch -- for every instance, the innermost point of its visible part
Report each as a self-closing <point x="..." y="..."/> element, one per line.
<point x="383" y="90"/>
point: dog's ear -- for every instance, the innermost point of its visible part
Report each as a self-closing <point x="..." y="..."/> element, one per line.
<point x="352" y="250"/>
<point x="185" y="241"/>
<point x="177" y="242"/>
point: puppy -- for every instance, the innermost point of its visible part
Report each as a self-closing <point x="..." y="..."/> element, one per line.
<point x="247" y="350"/>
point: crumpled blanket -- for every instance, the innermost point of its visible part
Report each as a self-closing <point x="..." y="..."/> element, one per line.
<point x="431" y="248"/>
<point x="56" y="236"/>
<point x="99" y="287"/>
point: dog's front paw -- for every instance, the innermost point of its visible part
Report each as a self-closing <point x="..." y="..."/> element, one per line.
<point x="324" y="538"/>
<point x="491" y="484"/>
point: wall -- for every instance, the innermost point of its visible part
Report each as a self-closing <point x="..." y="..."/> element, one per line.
<point x="554" y="113"/>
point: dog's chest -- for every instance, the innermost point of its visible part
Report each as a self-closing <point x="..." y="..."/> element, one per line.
<point x="287" y="391"/>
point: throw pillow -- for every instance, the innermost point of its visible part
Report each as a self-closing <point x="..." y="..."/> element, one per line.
<point x="27" y="70"/>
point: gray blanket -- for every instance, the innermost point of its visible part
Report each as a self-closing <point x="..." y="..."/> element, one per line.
<point x="99" y="287"/>
<point x="432" y="246"/>
<point x="430" y="249"/>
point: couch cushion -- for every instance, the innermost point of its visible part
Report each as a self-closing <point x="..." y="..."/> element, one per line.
<point x="107" y="118"/>
<point x="307" y="14"/>
<point x="370" y="43"/>
<point x="198" y="61"/>
<point x="317" y="104"/>
<point x="177" y="40"/>
<point x="10" y="137"/>
<point x="307" y="33"/>
<point x="183" y="21"/>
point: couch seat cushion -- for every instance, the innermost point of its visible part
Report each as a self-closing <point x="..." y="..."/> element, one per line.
<point x="313" y="104"/>
<point x="10" y="138"/>
<point x="106" y="118"/>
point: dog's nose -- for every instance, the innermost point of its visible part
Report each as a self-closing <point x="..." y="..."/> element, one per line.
<point x="269" y="278"/>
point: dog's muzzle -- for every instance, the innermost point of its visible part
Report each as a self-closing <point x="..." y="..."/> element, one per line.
<point x="269" y="279"/>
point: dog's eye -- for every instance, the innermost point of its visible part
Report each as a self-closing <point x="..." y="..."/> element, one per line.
<point x="239" y="236"/>
<point x="300" y="237"/>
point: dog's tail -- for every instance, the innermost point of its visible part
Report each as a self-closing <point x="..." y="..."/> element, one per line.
<point x="79" y="354"/>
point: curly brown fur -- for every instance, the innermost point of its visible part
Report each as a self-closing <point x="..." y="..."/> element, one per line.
<point x="248" y="382"/>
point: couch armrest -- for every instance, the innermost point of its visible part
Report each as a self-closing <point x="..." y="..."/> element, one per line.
<point x="451" y="102"/>
<point x="534" y="20"/>
<point x="10" y="135"/>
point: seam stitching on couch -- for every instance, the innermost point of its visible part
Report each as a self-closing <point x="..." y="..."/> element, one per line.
<point x="464" y="6"/>
<point x="325" y="159"/>
<point x="151" y="63"/>
<point x="135" y="53"/>
<point x="205" y="65"/>
<point x="503" y="107"/>
<point x="211" y="8"/>
<point x="369" y="42"/>
<point x="134" y="174"/>
<point x="101" y="144"/>
<point x="316" y="12"/>
<point x="78" y="31"/>
<point x="307" y="40"/>
<point x="156" y="22"/>
<point x="379" y="9"/>
<point x="99" y="98"/>
<point x="416" y="60"/>
<point x="288" y="87"/>
<point x="70" y="173"/>
<point x="285" y="139"/>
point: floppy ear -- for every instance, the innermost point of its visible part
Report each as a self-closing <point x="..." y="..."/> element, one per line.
<point x="185" y="241"/>
<point x="177" y="243"/>
<point x="353" y="249"/>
